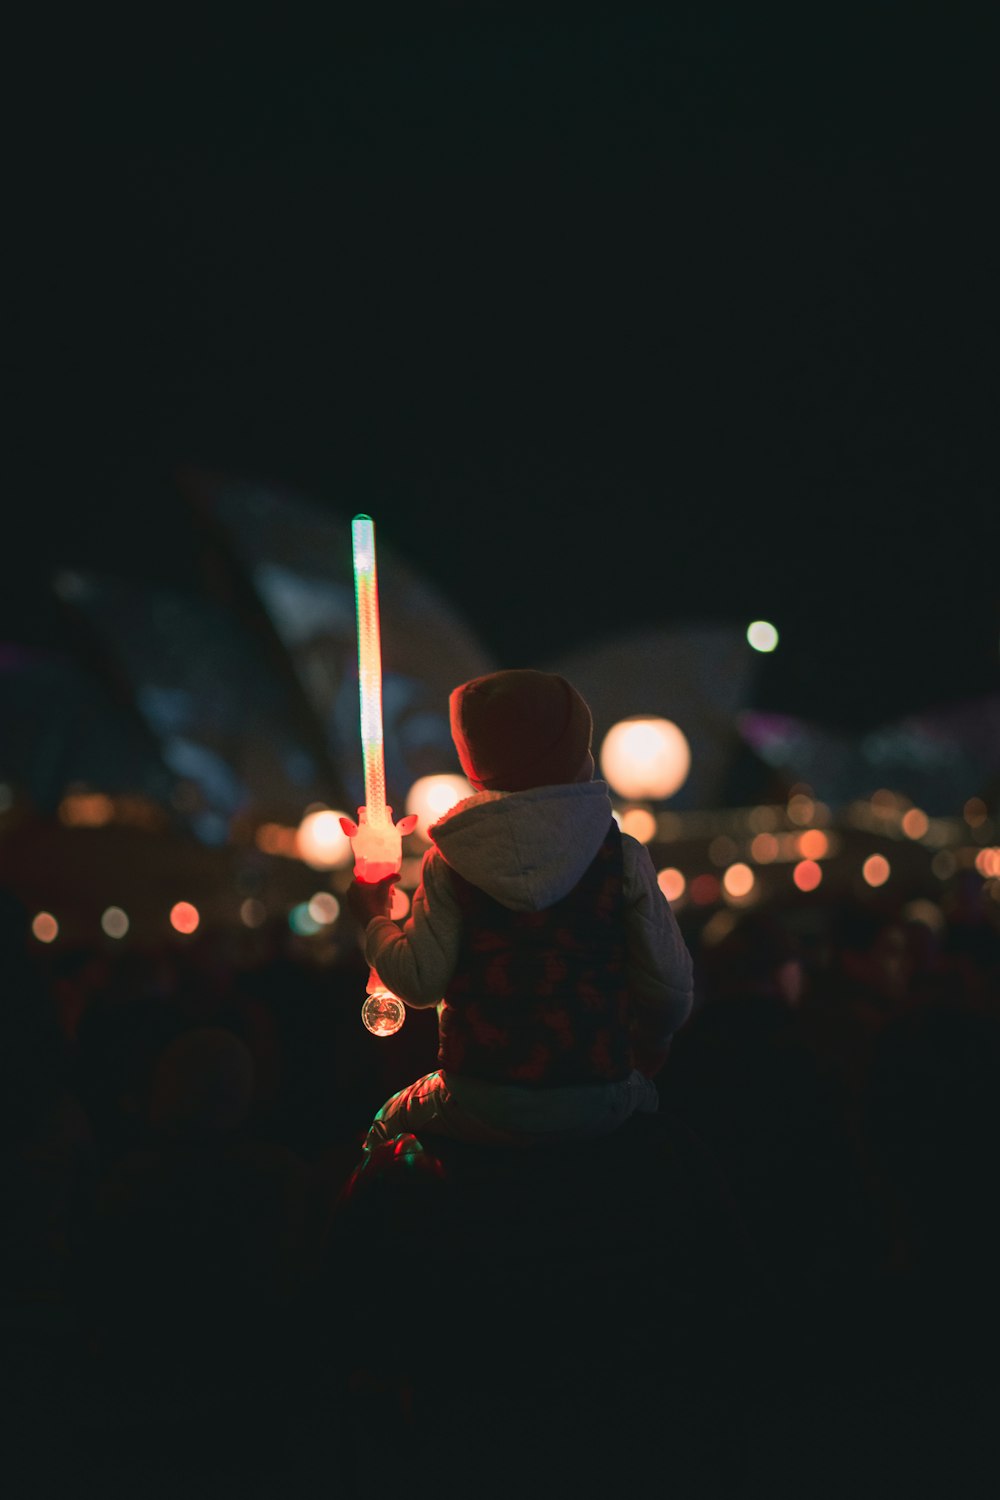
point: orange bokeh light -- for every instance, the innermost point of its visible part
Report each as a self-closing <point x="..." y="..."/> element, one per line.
<point x="738" y="881"/>
<point x="184" y="917"/>
<point x="876" y="870"/>
<point x="671" y="883"/>
<point x="813" y="844"/>
<point x="45" y="927"/>
<point x="988" y="862"/>
<point x="764" y="848"/>
<point x="807" y="875"/>
<point x="915" y="823"/>
<point x="975" y="812"/>
<point x="640" y="823"/>
<point x="801" y="808"/>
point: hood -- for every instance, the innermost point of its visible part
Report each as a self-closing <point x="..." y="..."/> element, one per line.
<point x="526" y="849"/>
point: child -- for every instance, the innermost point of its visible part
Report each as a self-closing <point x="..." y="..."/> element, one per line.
<point x="539" y="932"/>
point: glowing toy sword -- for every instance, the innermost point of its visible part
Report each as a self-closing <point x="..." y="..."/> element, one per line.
<point x="376" y="841"/>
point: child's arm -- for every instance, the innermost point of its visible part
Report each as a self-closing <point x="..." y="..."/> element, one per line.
<point x="660" y="970"/>
<point x="416" y="960"/>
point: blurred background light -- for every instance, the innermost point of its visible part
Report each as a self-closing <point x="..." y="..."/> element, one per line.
<point x="253" y="913"/>
<point x="705" y="889"/>
<point x="302" y="922"/>
<point x="722" y="850"/>
<point x="45" y="927"/>
<point x="975" y="812"/>
<point x="324" y="908"/>
<point x="115" y="922"/>
<point x="801" y="808"/>
<point x="645" y="758"/>
<point x="876" y="870"/>
<point x="184" y="917"/>
<point x="915" y="823"/>
<point x="639" y="822"/>
<point x="762" y="635"/>
<point x="321" y="843"/>
<point x="764" y="848"/>
<point x="807" y="875"/>
<point x="671" y="883"/>
<point x="738" y="881"/>
<point x="430" y="797"/>
<point x="813" y="844"/>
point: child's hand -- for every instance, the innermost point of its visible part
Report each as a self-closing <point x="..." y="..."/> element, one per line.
<point x="367" y="899"/>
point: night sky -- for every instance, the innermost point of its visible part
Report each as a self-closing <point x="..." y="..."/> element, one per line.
<point x="611" y="319"/>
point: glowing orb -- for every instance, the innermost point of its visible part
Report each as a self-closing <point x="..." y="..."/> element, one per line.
<point x="45" y="927"/>
<point x="430" y="797"/>
<point x="184" y="917"/>
<point x="807" y="874"/>
<point x="320" y="842"/>
<point x="383" y="1013"/>
<point x="762" y="635"/>
<point x="671" y="883"/>
<point x="876" y="870"/>
<point x="645" y="759"/>
<point x="115" y="922"/>
<point x="738" y="881"/>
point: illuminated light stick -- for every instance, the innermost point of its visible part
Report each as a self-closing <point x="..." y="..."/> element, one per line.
<point x="376" y="842"/>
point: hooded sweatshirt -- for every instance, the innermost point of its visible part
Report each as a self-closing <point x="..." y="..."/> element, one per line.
<point x="528" y="850"/>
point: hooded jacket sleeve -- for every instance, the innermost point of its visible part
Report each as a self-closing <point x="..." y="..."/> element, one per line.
<point x="660" y="969"/>
<point x="417" y="959"/>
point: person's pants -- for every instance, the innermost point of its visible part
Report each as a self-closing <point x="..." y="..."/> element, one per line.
<point x="509" y="1115"/>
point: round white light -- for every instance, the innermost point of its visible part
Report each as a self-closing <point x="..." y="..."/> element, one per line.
<point x="321" y="843"/>
<point x="762" y="635"/>
<point x="645" y="758"/>
<point x="430" y="797"/>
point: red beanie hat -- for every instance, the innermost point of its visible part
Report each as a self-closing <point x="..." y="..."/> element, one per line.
<point x="519" y="729"/>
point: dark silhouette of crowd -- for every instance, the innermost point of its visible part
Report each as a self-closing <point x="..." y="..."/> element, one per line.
<point x="782" y="1283"/>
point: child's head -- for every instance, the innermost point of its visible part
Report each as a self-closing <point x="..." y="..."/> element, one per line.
<point x="519" y="729"/>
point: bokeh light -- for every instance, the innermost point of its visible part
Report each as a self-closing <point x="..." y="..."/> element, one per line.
<point x="988" y="862"/>
<point x="926" y="912"/>
<point x="738" y="881"/>
<point x="876" y="870"/>
<point x="807" y="874"/>
<point x="813" y="844"/>
<point x="763" y="819"/>
<point x="943" y="864"/>
<point x="302" y="922"/>
<point x="430" y="797"/>
<point x="639" y="822"/>
<point x="762" y="635"/>
<point x="975" y="812"/>
<point x="115" y="922"/>
<point x="45" y="927"/>
<point x="671" y="883"/>
<point x="705" y="889"/>
<point x="324" y="908"/>
<point x="253" y="913"/>
<point x="645" y="758"/>
<point x="273" y="838"/>
<point x="915" y="823"/>
<point x="320" y="842"/>
<point x="723" y="850"/>
<point x="764" y="848"/>
<point x="184" y="917"/>
<point x="801" y="808"/>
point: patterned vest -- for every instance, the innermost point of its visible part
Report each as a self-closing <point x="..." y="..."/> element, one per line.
<point x="540" y="997"/>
